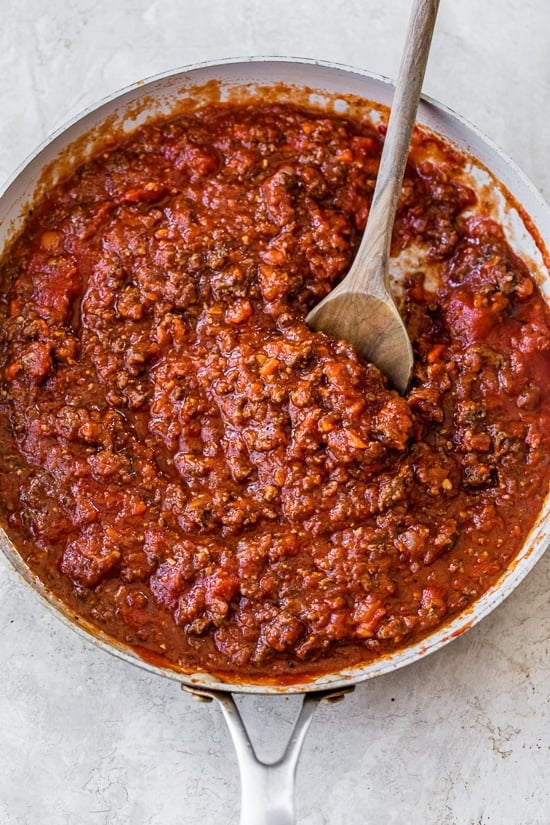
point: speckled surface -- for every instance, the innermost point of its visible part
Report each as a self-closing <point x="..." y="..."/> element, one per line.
<point x="461" y="738"/>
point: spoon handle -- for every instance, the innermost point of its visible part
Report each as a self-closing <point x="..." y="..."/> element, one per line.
<point x="374" y="250"/>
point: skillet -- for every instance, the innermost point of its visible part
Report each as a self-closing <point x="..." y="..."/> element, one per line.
<point x="268" y="790"/>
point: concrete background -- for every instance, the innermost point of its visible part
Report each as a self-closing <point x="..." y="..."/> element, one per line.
<point x="461" y="738"/>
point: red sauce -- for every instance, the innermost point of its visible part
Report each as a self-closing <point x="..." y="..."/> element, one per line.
<point x="192" y="469"/>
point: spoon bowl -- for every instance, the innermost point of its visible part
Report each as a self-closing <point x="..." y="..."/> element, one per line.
<point x="373" y="325"/>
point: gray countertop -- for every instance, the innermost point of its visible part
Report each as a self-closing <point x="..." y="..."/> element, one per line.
<point x="460" y="738"/>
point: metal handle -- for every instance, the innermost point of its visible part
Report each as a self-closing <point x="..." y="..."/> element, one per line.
<point x="267" y="788"/>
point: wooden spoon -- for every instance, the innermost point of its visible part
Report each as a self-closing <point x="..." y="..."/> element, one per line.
<point x="360" y="309"/>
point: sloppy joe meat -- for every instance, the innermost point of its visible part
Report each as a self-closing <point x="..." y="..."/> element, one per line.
<point x="191" y="469"/>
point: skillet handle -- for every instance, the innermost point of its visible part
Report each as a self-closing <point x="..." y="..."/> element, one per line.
<point x="267" y="788"/>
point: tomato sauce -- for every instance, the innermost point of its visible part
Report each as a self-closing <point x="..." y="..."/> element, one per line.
<point x="190" y="468"/>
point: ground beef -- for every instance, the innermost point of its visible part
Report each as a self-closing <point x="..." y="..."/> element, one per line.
<point x="192" y="469"/>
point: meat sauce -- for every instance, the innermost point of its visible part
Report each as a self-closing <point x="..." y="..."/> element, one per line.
<point x="191" y="469"/>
